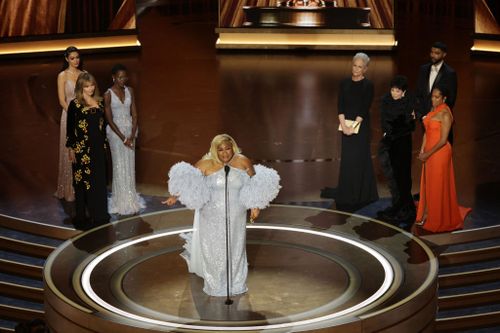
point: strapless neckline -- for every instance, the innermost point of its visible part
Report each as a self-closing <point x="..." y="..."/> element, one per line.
<point x="222" y="169"/>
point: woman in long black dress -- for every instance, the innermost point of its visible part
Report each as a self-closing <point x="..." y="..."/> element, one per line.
<point x="356" y="186"/>
<point x="86" y="131"/>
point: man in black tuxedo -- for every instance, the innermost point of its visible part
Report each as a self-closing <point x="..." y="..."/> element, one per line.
<point x="435" y="74"/>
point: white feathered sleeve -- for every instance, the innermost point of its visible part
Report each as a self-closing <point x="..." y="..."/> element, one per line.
<point x="261" y="188"/>
<point x="188" y="184"/>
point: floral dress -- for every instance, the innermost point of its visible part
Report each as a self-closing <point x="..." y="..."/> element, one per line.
<point x="86" y="135"/>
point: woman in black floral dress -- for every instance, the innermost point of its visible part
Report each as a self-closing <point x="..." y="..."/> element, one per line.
<point x="86" y="131"/>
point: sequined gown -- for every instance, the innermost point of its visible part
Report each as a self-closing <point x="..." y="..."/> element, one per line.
<point x="65" y="176"/>
<point x="124" y="199"/>
<point x="205" y="248"/>
<point x="212" y="235"/>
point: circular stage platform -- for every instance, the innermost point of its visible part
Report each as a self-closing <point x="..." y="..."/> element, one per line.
<point x="310" y="269"/>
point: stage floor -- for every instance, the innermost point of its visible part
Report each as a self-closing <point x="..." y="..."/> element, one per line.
<point x="309" y="269"/>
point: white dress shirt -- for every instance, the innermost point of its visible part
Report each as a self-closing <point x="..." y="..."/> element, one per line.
<point x="433" y="74"/>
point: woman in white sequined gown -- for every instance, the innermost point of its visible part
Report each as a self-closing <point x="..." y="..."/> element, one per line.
<point x="203" y="188"/>
<point x="66" y="80"/>
<point x="121" y="115"/>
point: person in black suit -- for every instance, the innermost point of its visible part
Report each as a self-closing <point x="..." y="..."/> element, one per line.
<point x="435" y="74"/>
<point x="395" y="150"/>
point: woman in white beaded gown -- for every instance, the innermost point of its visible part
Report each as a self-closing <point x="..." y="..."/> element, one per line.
<point x="121" y="115"/>
<point x="66" y="80"/>
<point x="202" y="187"/>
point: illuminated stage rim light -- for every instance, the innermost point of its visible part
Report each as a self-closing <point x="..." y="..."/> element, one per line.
<point x="388" y="280"/>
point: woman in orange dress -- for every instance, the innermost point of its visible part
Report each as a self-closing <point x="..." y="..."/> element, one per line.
<point x="438" y="209"/>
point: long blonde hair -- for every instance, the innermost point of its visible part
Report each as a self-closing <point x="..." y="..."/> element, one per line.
<point x="216" y="142"/>
<point x="82" y="80"/>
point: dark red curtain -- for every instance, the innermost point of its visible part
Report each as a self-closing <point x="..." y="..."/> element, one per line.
<point x="31" y="17"/>
<point x="83" y="16"/>
<point x="125" y="18"/>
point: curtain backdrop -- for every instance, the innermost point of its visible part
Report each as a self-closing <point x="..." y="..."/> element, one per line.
<point x="84" y="16"/>
<point x="47" y="17"/>
<point x="31" y="17"/>
<point x="125" y="18"/>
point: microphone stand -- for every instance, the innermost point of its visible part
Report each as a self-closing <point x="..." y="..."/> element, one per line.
<point x="229" y="301"/>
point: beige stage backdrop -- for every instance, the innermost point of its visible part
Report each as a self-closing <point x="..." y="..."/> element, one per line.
<point x="381" y="16"/>
<point x="49" y="17"/>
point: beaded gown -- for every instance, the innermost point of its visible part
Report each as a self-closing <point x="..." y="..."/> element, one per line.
<point x="205" y="248"/>
<point x="65" y="175"/>
<point x="124" y="199"/>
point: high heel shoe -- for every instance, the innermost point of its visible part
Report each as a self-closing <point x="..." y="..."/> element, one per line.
<point x="422" y="221"/>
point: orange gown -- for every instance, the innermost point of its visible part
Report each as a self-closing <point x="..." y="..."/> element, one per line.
<point x="437" y="183"/>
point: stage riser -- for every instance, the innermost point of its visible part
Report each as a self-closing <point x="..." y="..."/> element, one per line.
<point x="20" y="269"/>
<point x="468" y="278"/>
<point x="462" y="237"/>
<point x="22" y="292"/>
<point x="469" y="300"/>
<point x="468" y="322"/>
<point x="472" y="256"/>
<point x="25" y="248"/>
<point x="19" y="314"/>
<point x="39" y="229"/>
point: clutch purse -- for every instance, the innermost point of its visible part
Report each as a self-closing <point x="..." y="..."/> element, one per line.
<point x="349" y="124"/>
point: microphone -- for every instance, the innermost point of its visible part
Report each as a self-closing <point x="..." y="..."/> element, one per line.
<point x="229" y="301"/>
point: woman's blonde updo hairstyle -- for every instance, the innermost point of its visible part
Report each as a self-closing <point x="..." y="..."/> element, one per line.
<point x="216" y="142"/>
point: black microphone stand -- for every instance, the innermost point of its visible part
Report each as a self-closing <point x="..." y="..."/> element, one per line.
<point x="229" y="301"/>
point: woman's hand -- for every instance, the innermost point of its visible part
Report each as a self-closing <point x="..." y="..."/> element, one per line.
<point x="71" y="155"/>
<point x="347" y="130"/>
<point x="254" y="213"/>
<point x="129" y="142"/>
<point x="171" y="200"/>
<point x="423" y="156"/>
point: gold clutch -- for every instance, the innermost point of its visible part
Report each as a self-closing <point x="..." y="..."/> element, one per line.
<point x="349" y="123"/>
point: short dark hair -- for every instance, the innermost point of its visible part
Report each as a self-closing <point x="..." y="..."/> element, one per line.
<point x="118" y="67"/>
<point x="400" y="82"/>
<point x="440" y="45"/>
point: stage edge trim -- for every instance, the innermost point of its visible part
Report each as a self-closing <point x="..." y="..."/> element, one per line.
<point x="388" y="280"/>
